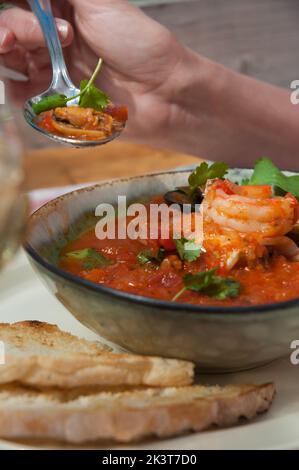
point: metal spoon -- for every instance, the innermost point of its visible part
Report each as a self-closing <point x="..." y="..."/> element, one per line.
<point x="61" y="82"/>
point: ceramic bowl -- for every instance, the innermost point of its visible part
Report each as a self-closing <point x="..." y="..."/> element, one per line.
<point x="217" y="339"/>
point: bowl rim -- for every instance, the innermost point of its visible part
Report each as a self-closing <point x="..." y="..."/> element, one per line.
<point x="138" y="299"/>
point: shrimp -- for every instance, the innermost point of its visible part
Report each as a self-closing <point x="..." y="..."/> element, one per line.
<point x="241" y="221"/>
<point x="250" y="209"/>
<point x="226" y="247"/>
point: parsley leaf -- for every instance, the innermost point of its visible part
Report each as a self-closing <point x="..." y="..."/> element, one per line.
<point x="204" y="172"/>
<point x="92" y="97"/>
<point x="147" y="256"/>
<point x="265" y="172"/>
<point x="50" y="102"/>
<point x="187" y="250"/>
<point x="245" y="182"/>
<point x="144" y="257"/>
<point x="208" y="283"/>
<point x="91" y="257"/>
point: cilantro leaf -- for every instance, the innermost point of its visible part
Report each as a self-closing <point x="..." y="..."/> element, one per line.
<point x="200" y="281"/>
<point x="221" y="288"/>
<point x="50" y="102"/>
<point x="79" y="254"/>
<point x="92" y="97"/>
<point x="89" y="97"/>
<point x="187" y="250"/>
<point x="204" y="172"/>
<point x="91" y="257"/>
<point x="265" y="172"/>
<point x="208" y="283"/>
<point x="147" y="256"/>
<point x="144" y="257"/>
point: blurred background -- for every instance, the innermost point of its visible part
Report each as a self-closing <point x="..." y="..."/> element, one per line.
<point x="256" y="37"/>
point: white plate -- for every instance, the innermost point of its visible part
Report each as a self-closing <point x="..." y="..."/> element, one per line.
<point x="23" y="297"/>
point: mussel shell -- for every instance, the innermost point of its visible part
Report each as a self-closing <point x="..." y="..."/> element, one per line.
<point x="182" y="196"/>
<point x="294" y="234"/>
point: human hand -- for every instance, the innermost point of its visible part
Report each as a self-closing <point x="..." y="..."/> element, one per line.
<point x="140" y="56"/>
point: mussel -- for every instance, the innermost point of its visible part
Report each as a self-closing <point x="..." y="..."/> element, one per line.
<point x="183" y="196"/>
<point x="294" y="234"/>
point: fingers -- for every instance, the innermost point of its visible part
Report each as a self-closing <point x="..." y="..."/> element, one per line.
<point x="16" y="60"/>
<point x="30" y="64"/>
<point x="35" y="65"/>
<point x="7" y="40"/>
<point x="22" y="27"/>
<point x="21" y="60"/>
<point x="22" y="91"/>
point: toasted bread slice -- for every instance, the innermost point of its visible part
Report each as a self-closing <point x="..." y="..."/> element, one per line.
<point x="126" y="416"/>
<point x="41" y="355"/>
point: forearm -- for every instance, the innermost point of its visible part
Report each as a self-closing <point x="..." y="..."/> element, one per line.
<point x="219" y="114"/>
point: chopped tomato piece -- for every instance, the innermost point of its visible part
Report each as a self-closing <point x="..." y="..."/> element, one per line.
<point x="168" y="244"/>
<point x="120" y="113"/>
<point x="94" y="275"/>
<point x="46" y="122"/>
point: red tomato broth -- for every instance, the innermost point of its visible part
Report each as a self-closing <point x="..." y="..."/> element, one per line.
<point x="276" y="281"/>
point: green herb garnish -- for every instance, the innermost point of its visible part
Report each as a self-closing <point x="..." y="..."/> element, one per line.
<point x="208" y="283"/>
<point x="193" y="194"/>
<point x="144" y="257"/>
<point x="244" y="182"/>
<point x="50" y="102"/>
<point x="205" y="172"/>
<point x="187" y="250"/>
<point x="91" y="257"/>
<point x="265" y="172"/>
<point x="147" y="256"/>
<point x="90" y="96"/>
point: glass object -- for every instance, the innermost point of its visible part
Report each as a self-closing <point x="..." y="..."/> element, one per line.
<point x="13" y="203"/>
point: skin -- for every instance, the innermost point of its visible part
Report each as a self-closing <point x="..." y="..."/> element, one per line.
<point x="176" y="98"/>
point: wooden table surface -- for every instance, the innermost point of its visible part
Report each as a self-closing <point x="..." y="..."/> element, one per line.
<point x="64" y="166"/>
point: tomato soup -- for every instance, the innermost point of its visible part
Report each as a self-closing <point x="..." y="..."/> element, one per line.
<point x="276" y="280"/>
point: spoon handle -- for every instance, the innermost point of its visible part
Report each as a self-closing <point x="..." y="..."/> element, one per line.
<point x="43" y="11"/>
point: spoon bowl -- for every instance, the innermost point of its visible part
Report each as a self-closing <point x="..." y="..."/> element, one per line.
<point x="30" y="118"/>
<point x="61" y="82"/>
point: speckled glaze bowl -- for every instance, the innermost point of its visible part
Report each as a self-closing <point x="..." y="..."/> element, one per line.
<point x="216" y="339"/>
